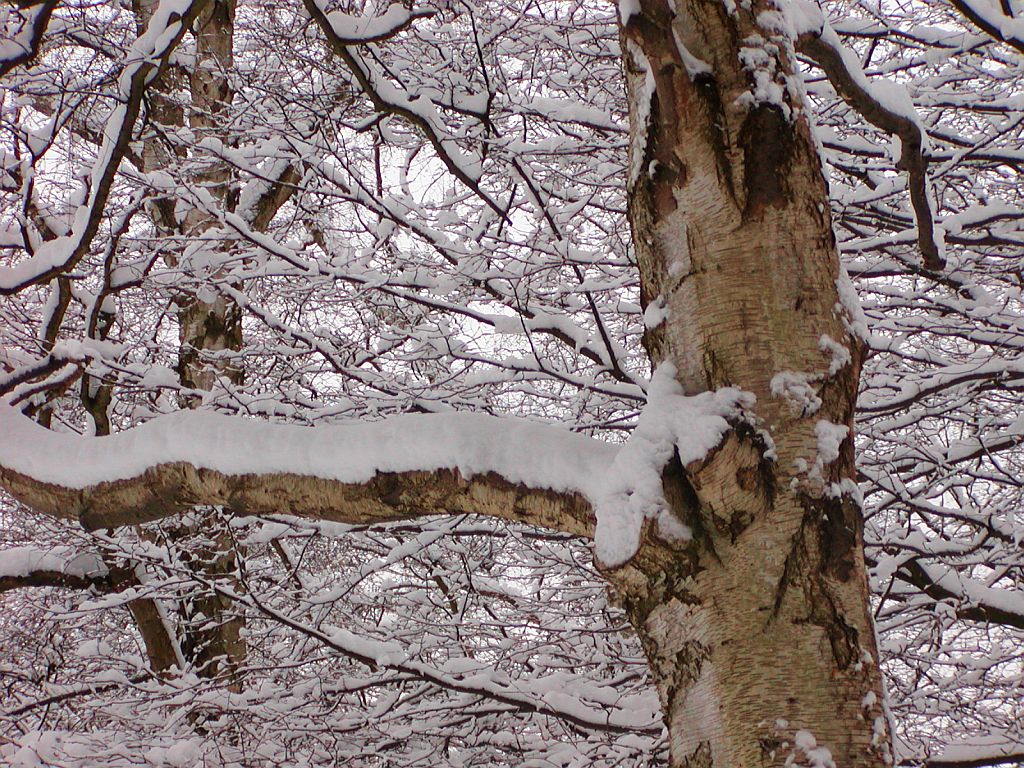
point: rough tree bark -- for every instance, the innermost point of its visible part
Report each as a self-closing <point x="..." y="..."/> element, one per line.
<point x="759" y="635"/>
<point x="758" y="630"/>
<point x="212" y="631"/>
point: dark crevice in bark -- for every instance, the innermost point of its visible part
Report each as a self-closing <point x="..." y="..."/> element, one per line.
<point x="734" y="486"/>
<point x="839" y="520"/>
<point x="682" y="496"/>
<point x="707" y="88"/>
<point x="817" y="555"/>
<point x="766" y="138"/>
<point x="766" y="479"/>
<point x="716" y="375"/>
<point x="97" y="395"/>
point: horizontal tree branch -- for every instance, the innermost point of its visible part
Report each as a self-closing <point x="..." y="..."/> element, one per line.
<point x="401" y="468"/>
<point x="979" y="762"/>
<point x="57" y="579"/>
<point x="62" y="567"/>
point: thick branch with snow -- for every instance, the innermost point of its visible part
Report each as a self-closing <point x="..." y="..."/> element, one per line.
<point x="403" y="467"/>
<point x="887" y="107"/>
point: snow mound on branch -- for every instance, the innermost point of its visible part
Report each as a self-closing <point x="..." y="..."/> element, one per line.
<point x="521" y="451"/>
<point x="670" y="422"/>
<point x="24" y="561"/>
<point x="623" y="484"/>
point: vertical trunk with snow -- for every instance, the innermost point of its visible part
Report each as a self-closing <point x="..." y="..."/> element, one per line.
<point x="212" y="639"/>
<point x="211" y="636"/>
<point x="758" y="632"/>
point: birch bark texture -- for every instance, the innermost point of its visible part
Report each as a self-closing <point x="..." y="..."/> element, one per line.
<point x="757" y="629"/>
<point x="759" y="635"/>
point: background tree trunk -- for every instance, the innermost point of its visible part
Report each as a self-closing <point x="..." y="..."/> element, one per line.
<point x="212" y="630"/>
<point x="759" y="634"/>
<point x="211" y="634"/>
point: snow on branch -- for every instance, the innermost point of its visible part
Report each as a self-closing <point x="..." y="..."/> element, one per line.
<point x="974" y="600"/>
<point x="390" y="99"/>
<point x="23" y="34"/>
<point x="587" y="706"/>
<point x="670" y="424"/>
<point x="55" y="567"/>
<point x="982" y="750"/>
<point x="403" y="467"/>
<point x="356" y="30"/>
<point x="994" y="21"/>
<point x="885" y="105"/>
<point x="144" y="59"/>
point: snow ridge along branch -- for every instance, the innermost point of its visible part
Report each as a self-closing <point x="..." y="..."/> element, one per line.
<point x="402" y="467"/>
<point x="884" y="104"/>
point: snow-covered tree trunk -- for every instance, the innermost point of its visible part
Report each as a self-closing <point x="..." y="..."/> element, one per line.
<point x="211" y="635"/>
<point x="758" y="633"/>
<point x="212" y="638"/>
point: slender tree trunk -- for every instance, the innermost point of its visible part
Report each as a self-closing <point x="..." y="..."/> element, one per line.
<point x="210" y="326"/>
<point x="758" y="632"/>
<point x="211" y="635"/>
<point x="212" y="632"/>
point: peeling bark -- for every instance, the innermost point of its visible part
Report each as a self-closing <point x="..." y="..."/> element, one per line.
<point x="761" y="629"/>
<point x="168" y="489"/>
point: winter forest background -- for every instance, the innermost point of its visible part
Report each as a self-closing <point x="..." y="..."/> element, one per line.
<point x="347" y="211"/>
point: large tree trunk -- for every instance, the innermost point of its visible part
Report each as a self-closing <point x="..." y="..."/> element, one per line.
<point x="759" y="632"/>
